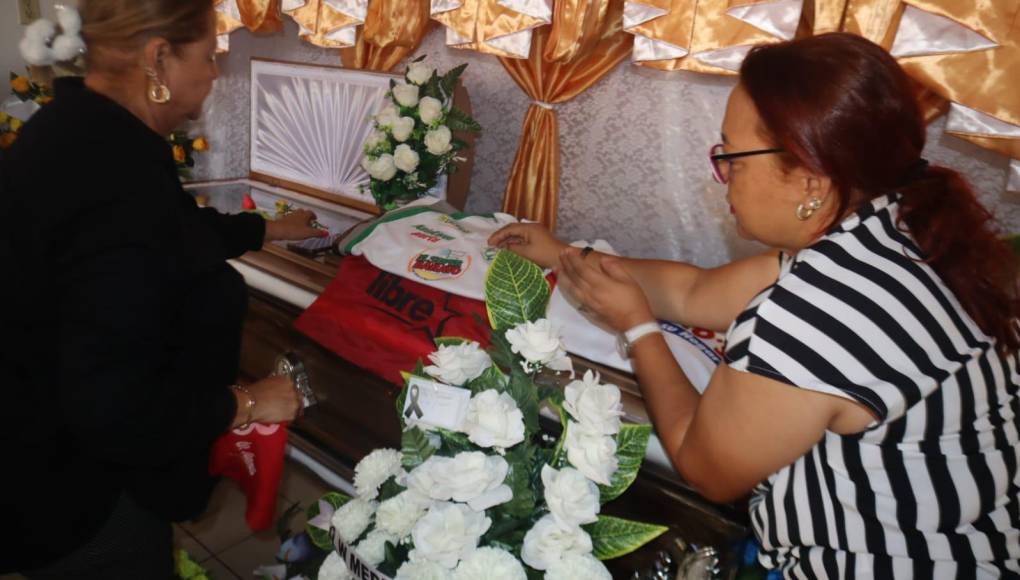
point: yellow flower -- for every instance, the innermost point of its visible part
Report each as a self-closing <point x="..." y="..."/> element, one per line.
<point x="3" y="117"/>
<point x="44" y="100"/>
<point x="20" y="85"/>
<point x="16" y="123"/>
<point x="6" y="139"/>
<point x="179" y="154"/>
<point x="200" y="144"/>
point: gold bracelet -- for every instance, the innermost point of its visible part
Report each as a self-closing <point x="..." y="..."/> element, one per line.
<point x="250" y="404"/>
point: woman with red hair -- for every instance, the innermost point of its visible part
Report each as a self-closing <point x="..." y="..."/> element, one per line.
<point x="868" y="400"/>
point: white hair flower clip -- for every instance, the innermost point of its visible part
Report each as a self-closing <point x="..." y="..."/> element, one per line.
<point x="46" y="43"/>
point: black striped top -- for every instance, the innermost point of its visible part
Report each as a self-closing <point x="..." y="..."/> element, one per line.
<point x="931" y="489"/>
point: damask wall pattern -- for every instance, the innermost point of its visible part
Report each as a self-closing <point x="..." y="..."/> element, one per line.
<point x="634" y="149"/>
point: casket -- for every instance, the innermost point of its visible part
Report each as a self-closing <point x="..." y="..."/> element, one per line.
<point x="294" y="164"/>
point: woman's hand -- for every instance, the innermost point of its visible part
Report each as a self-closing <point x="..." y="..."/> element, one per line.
<point x="297" y="225"/>
<point x="532" y="241"/>
<point x="276" y="400"/>
<point x="602" y="286"/>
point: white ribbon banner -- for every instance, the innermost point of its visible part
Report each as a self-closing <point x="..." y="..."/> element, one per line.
<point x="355" y="565"/>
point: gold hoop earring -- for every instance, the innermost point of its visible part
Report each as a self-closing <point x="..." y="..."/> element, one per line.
<point x="808" y="209"/>
<point x="159" y="93"/>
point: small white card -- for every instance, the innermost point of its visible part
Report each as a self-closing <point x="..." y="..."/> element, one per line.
<point x="434" y="404"/>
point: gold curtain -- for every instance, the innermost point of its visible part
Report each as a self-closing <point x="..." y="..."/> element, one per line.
<point x="533" y="187"/>
<point x="497" y="27"/>
<point x="393" y="29"/>
<point x="327" y="24"/>
<point x="260" y="16"/>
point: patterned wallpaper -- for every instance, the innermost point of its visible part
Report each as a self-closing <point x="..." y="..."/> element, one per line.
<point x="633" y="149"/>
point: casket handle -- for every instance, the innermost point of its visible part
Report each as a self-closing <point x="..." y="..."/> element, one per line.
<point x="290" y="364"/>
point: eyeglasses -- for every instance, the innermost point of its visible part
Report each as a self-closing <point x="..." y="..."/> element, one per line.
<point x="720" y="160"/>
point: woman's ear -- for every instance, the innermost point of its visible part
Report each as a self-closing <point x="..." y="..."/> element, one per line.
<point x="154" y="54"/>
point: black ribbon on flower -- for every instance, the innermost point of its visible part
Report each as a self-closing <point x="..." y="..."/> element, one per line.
<point x="414" y="408"/>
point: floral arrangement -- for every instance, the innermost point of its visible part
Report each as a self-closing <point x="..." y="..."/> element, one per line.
<point x="25" y="89"/>
<point x="184" y="147"/>
<point x="493" y="497"/>
<point x="412" y="143"/>
<point x="9" y="127"/>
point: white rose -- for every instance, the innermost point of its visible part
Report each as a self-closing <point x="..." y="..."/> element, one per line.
<point x="352" y="518"/>
<point x="406" y="94"/>
<point x="402" y="129"/>
<point x="578" y="567"/>
<point x="382" y="168"/>
<point x="438" y="140"/>
<point x="592" y="455"/>
<point x="334" y="568"/>
<point x="430" y="109"/>
<point x="387" y="116"/>
<point x="374" y="470"/>
<point x="471" y="477"/>
<point x="373" y="548"/>
<point x="375" y="139"/>
<point x="448" y="533"/>
<point x="493" y="420"/>
<point x="597" y="407"/>
<point x="421" y="569"/>
<point x="405" y="158"/>
<point x="398" y="514"/>
<point x="419" y="73"/>
<point x="456" y="364"/>
<point x="571" y="497"/>
<point x="491" y="564"/>
<point x="539" y="343"/>
<point x="547" y="541"/>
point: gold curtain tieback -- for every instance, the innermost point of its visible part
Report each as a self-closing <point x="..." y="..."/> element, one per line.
<point x="544" y="105"/>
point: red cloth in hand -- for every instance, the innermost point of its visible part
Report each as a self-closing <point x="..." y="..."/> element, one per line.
<point x="384" y="323"/>
<point x="253" y="457"/>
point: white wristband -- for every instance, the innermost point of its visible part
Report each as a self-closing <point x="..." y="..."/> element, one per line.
<point x="632" y="335"/>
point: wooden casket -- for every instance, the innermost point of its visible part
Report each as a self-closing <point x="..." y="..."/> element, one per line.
<point x="355" y="412"/>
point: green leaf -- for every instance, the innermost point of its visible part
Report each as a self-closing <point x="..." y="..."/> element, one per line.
<point x="454" y="443"/>
<point x="458" y="120"/>
<point x="420" y="58"/>
<point x="515" y="291"/>
<point x="518" y="478"/>
<point x="501" y="353"/>
<point x="450" y="340"/>
<point x="559" y="455"/>
<point x="318" y="536"/>
<point x="525" y="394"/>
<point x="415" y="448"/>
<point x="389" y="489"/>
<point x="631" y="444"/>
<point x="394" y="557"/>
<point x="450" y="79"/>
<point x="614" y="537"/>
<point x="491" y="378"/>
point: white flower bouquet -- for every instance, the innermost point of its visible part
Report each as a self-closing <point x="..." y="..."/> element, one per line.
<point x="413" y="143"/>
<point x="494" y="497"/>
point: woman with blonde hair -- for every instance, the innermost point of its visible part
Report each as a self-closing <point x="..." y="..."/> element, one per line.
<point x="868" y="401"/>
<point x="120" y="314"/>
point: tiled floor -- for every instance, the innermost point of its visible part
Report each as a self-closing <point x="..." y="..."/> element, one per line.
<point x="221" y="540"/>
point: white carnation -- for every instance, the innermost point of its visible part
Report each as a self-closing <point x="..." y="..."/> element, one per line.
<point x="69" y="19"/>
<point x="375" y="139"/>
<point x="572" y="498"/>
<point x="539" y="343"/>
<point x="592" y="455"/>
<point x="448" y="533"/>
<point x="547" y="541"/>
<point x="388" y="116"/>
<point x="372" y="549"/>
<point x="596" y="407"/>
<point x="405" y="158"/>
<point x="352" y="518"/>
<point x="438" y="140"/>
<point x="419" y="73"/>
<point x="68" y="47"/>
<point x="398" y="514"/>
<point x="493" y="420"/>
<point x="430" y="110"/>
<point x="456" y="364"/>
<point x="578" y="567"/>
<point x="490" y="564"/>
<point x="471" y="477"/>
<point x="334" y="568"/>
<point x="406" y="94"/>
<point x="422" y="569"/>
<point x="382" y="168"/>
<point x="374" y="470"/>
<point x="402" y="129"/>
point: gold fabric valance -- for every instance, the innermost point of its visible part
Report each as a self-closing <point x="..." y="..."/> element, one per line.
<point x="500" y="27"/>
<point x="262" y="16"/>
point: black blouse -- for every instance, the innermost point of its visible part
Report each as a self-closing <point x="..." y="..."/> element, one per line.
<point x="121" y="324"/>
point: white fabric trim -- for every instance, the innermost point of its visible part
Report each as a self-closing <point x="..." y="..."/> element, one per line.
<point x="778" y="18"/>
<point x="289" y="5"/>
<point x="440" y="6"/>
<point x="635" y="13"/>
<point x="729" y="58"/>
<point x="922" y="33"/>
<point x="222" y="43"/>
<point x="544" y="105"/>
<point x="353" y="8"/>
<point x="345" y="34"/>
<point x="229" y="8"/>
<point x="453" y="39"/>
<point x="970" y="121"/>
<point x="650" y="49"/>
<point x="517" y="44"/>
<point x="541" y="9"/>
<point x="1014" y="176"/>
